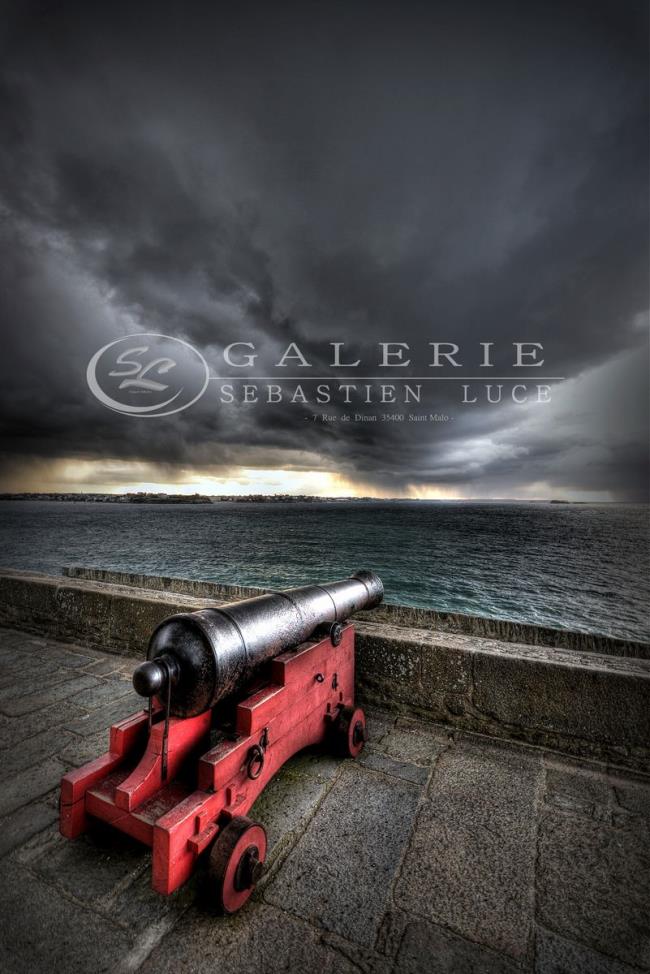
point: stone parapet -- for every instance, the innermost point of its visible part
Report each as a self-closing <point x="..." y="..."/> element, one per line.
<point x="576" y="700"/>
<point x="399" y="615"/>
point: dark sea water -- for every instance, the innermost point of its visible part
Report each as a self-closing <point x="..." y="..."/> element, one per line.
<point x="574" y="566"/>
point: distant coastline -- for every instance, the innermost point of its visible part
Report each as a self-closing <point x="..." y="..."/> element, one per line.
<point x="144" y="497"/>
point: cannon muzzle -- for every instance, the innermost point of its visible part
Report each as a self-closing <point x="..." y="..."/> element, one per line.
<point x="196" y="659"/>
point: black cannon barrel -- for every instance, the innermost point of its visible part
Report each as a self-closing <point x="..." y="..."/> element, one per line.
<point x="206" y="655"/>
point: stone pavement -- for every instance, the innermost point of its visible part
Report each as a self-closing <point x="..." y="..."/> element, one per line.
<point x="437" y="851"/>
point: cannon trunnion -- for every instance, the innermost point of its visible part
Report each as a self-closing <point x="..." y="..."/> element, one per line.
<point x="233" y="692"/>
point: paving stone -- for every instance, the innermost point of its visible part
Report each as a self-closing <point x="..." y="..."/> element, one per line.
<point x="111" y="664"/>
<point x="68" y="658"/>
<point x="95" y="865"/>
<point x="12" y="661"/>
<point x="42" y="843"/>
<point x="391" y="932"/>
<point x="20" y="677"/>
<point x="18" y="651"/>
<point x="578" y="788"/>
<point x="42" y="699"/>
<point x="104" y="717"/>
<point x="127" y="667"/>
<point x="24" y="823"/>
<point x="28" y="674"/>
<point x="377" y="761"/>
<point x="315" y="761"/>
<point x="415" y="741"/>
<point x="555" y="955"/>
<point x="470" y="863"/>
<point x="12" y="646"/>
<point x="285" y="806"/>
<point x="339" y="873"/>
<point x="428" y="949"/>
<point x="33" y="751"/>
<point x="117" y="676"/>
<point x="378" y="724"/>
<point x="21" y="640"/>
<point x="21" y="651"/>
<point x="137" y="908"/>
<point x="80" y="750"/>
<point x="52" y="798"/>
<point x="107" y="692"/>
<point x="9" y="655"/>
<point x="261" y="939"/>
<point x="43" y="932"/>
<point x="593" y="885"/>
<point x="365" y="960"/>
<point x="21" y="728"/>
<point x="80" y="649"/>
<point x="29" y="784"/>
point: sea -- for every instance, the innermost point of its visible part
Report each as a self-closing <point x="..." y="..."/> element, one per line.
<point x="574" y="566"/>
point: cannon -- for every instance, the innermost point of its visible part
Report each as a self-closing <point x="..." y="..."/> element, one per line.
<point x="232" y="692"/>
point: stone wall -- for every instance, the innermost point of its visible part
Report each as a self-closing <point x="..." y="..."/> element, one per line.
<point x="401" y="615"/>
<point x="578" y="700"/>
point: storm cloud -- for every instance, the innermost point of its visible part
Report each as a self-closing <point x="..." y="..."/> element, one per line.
<point x="357" y="172"/>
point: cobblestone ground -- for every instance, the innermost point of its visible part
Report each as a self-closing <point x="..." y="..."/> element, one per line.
<point x="435" y="852"/>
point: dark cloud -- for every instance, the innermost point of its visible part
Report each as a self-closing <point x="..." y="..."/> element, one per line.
<point x="362" y="172"/>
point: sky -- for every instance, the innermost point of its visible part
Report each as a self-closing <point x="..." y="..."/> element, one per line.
<point x="313" y="173"/>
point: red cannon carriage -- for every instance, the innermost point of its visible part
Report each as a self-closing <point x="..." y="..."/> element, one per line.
<point x="233" y="693"/>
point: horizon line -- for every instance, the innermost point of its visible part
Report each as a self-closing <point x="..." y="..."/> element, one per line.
<point x="317" y="497"/>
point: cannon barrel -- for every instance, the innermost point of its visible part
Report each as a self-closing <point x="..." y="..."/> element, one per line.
<point x="198" y="658"/>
